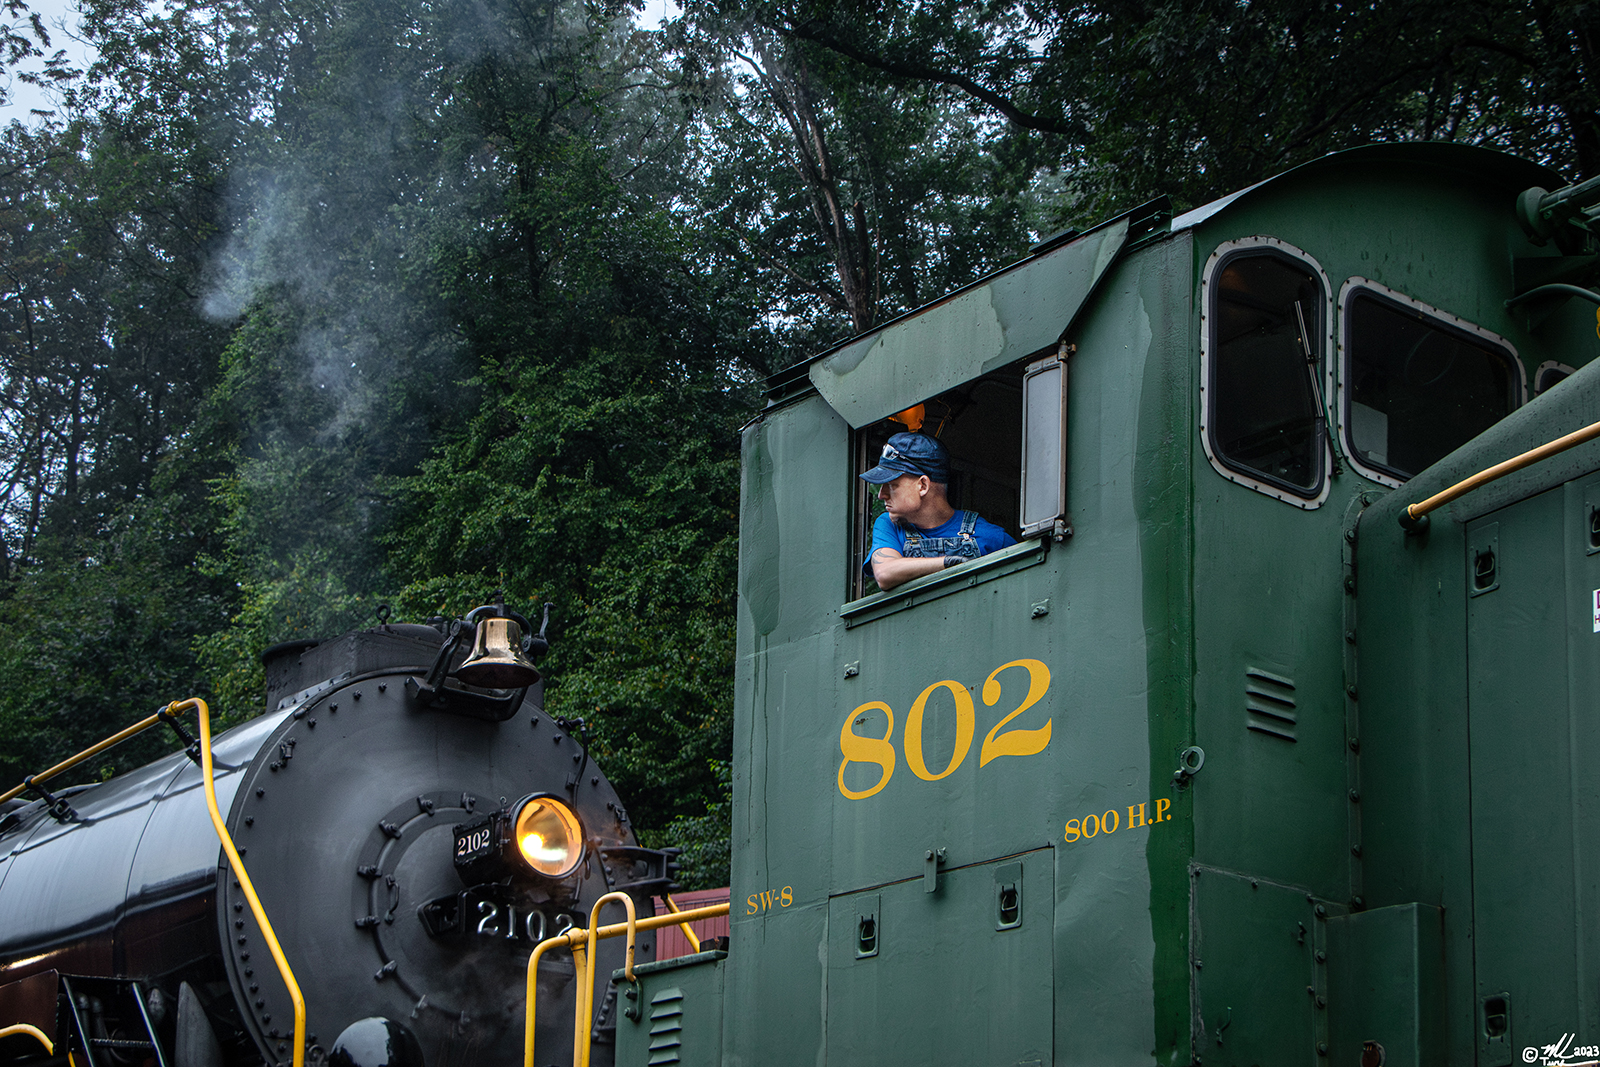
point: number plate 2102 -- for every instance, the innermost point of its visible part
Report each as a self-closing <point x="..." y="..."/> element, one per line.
<point x="474" y="841"/>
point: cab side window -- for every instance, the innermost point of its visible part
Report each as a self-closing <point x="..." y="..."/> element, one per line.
<point x="981" y="423"/>
<point x="1417" y="383"/>
<point x="1262" y="419"/>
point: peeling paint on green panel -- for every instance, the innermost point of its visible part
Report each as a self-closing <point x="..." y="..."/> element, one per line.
<point x="1164" y="505"/>
<point x="1012" y="315"/>
<point x="758" y="578"/>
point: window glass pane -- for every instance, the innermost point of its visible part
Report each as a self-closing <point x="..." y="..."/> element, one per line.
<point x="1042" y="461"/>
<point x="1264" y="413"/>
<point x="1418" y="388"/>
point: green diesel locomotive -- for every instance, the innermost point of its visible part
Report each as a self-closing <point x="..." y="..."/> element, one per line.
<point x="1221" y="763"/>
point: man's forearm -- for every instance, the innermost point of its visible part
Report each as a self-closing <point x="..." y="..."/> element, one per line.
<point x="890" y="569"/>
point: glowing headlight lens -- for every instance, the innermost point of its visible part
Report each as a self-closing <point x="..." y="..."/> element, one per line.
<point x="548" y="837"/>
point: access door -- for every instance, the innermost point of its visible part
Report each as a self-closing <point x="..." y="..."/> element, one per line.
<point x="1532" y="573"/>
<point x="958" y="975"/>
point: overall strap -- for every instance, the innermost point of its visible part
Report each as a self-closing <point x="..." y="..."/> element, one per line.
<point x="969" y="523"/>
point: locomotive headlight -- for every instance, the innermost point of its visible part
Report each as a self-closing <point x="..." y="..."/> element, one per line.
<point x="539" y="834"/>
<point x="548" y="836"/>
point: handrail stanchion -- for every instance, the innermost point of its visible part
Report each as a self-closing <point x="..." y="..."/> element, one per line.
<point x="688" y="931"/>
<point x="578" y="940"/>
<point x="584" y="1028"/>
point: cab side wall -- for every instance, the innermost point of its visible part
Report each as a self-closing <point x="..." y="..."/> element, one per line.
<point x="1107" y="611"/>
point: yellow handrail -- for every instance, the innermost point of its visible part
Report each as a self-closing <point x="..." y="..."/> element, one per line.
<point x="204" y="715"/>
<point x="67" y="764"/>
<point x="573" y="939"/>
<point x="582" y="1032"/>
<point x="31" y="1031"/>
<point x="1500" y="470"/>
<point x="688" y="931"/>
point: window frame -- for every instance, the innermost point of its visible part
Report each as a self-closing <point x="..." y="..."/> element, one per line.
<point x="1260" y="481"/>
<point x="863" y="457"/>
<point x="1539" y="389"/>
<point x="1450" y="322"/>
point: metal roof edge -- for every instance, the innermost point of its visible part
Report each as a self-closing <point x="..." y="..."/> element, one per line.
<point x="1514" y="171"/>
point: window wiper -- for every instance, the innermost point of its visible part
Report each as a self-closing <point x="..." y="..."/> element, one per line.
<point x="1312" y="369"/>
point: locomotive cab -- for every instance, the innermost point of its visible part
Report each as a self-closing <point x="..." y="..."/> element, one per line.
<point x="1181" y="777"/>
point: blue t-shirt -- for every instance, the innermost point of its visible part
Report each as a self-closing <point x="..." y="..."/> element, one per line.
<point x="887" y="534"/>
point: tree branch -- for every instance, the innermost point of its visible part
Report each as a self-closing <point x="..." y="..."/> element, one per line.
<point x="925" y="72"/>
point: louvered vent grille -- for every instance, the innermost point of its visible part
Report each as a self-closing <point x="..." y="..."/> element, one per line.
<point x="1269" y="703"/>
<point x="666" y="1026"/>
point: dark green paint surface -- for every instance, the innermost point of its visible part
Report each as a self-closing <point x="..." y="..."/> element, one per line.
<point x="941" y="979"/>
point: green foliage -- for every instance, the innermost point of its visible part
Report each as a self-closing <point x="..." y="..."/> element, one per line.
<point x="307" y="306"/>
<point x="98" y="635"/>
<point x="1128" y="98"/>
<point x="600" y="473"/>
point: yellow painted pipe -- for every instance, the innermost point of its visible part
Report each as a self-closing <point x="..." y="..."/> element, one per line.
<point x="533" y="995"/>
<point x="204" y="714"/>
<point x="31" y="1031"/>
<point x="1500" y="470"/>
<point x="672" y="905"/>
<point x="575" y="938"/>
<point x="89" y="753"/>
<point x="580" y="967"/>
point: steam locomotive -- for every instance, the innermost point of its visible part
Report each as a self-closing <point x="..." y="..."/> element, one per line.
<point x="414" y="823"/>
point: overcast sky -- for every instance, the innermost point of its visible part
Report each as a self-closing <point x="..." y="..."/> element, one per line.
<point x="55" y="13"/>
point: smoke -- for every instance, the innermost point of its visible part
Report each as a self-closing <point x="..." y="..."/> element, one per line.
<point x="367" y="199"/>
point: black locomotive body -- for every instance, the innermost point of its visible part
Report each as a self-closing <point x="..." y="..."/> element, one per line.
<point x="121" y="921"/>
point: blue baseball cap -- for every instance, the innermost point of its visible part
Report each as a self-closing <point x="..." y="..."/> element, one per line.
<point x="915" y="454"/>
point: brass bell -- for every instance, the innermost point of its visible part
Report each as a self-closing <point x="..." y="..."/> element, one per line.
<point x="497" y="661"/>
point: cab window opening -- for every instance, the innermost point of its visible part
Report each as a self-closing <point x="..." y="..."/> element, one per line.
<point x="980" y="422"/>
<point x="1265" y="408"/>
<point x="1417" y="386"/>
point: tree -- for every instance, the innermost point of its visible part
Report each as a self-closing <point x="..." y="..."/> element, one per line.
<point x="1135" y="97"/>
<point x="849" y="195"/>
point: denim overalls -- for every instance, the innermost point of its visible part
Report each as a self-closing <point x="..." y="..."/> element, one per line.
<point x="963" y="544"/>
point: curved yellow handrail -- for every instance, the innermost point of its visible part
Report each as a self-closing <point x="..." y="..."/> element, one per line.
<point x="203" y="713"/>
<point x="574" y="938"/>
<point x="31" y="1031"/>
<point x="583" y="1033"/>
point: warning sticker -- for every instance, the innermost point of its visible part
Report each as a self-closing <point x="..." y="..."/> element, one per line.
<point x="1597" y="611"/>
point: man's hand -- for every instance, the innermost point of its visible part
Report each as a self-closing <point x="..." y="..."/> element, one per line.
<point x="890" y="568"/>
